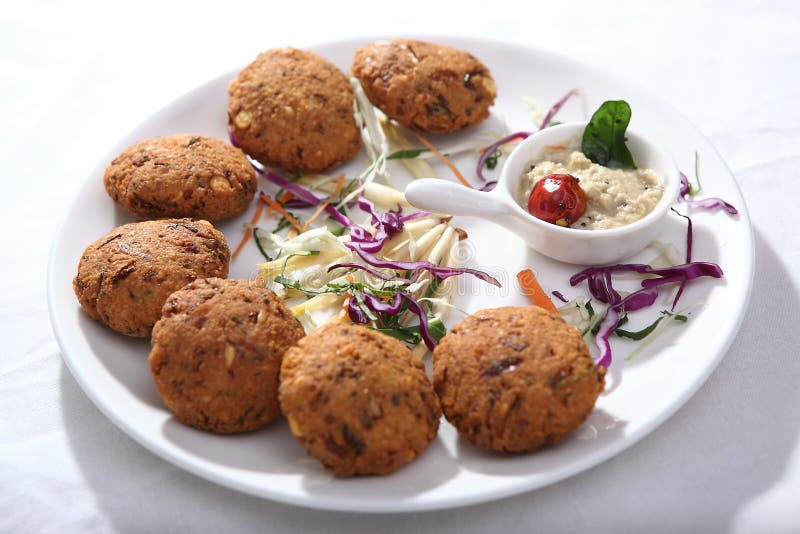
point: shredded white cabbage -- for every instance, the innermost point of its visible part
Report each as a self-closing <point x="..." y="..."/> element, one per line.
<point x="366" y="116"/>
<point x="315" y="239"/>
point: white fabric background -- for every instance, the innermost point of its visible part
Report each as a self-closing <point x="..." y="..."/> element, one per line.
<point x="75" y="76"/>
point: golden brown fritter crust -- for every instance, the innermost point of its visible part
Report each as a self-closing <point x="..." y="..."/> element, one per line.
<point x="125" y="277"/>
<point x="181" y="176"/>
<point x="427" y="86"/>
<point x="293" y="109"/>
<point x="217" y="354"/>
<point x="515" y="379"/>
<point x="357" y="400"/>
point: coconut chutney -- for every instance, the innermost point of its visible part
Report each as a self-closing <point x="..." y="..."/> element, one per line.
<point x="614" y="197"/>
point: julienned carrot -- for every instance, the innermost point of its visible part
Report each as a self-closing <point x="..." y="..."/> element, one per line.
<point x="285" y="197"/>
<point x="444" y="159"/>
<point x="321" y="207"/>
<point x="249" y="232"/>
<point x="280" y="209"/>
<point x="343" y="311"/>
<point x="530" y="286"/>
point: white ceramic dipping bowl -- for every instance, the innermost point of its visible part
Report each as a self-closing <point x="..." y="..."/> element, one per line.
<point x="571" y="245"/>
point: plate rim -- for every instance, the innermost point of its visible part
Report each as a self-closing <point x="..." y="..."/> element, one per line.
<point x="405" y="505"/>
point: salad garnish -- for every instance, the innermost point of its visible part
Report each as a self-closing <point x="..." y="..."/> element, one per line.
<point x="389" y="272"/>
<point x="600" y="284"/>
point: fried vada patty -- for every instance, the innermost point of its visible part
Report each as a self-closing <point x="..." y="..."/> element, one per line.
<point x="515" y="379"/>
<point x="125" y="277"/>
<point x="216" y="353"/>
<point x="358" y="400"/>
<point x="427" y="86"/>
<point x="293" y="109"/>
<point x="181" y="176"/>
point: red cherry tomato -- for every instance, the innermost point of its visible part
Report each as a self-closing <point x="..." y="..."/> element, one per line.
<point x="557" y="199"/>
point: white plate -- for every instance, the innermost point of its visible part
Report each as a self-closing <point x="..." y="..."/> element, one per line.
<point x="641" y="394"/>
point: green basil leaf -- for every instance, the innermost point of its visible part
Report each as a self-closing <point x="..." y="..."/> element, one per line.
<point x="604" y="137"/>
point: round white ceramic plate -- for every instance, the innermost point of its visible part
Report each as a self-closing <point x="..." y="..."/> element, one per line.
<point x="641" y="393"/>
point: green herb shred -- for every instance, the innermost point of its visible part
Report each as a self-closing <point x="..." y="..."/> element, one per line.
<point x="491" y="161"/>
<point x="644" y="332"/>
<point x="259" y="245"/>
<point x="410" y="153"/>
<point x="692" y="189"/>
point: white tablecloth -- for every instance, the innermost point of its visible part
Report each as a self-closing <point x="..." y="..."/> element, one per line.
<point x="75" y="76"/>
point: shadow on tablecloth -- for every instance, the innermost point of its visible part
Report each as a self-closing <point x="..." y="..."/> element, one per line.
<point x="726" y="447"/>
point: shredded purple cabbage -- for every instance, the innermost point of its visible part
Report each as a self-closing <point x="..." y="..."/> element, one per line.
<point x="599" y="278"/>
<point x="285" y="183"/>
<point x="387" y="224"/>
<point x="372" y="272"/>
<point x="381" y="306"/>
<point x="637" y="300"/>
<point x="560" y="296"/>
<point x="355" y="312"/>
<point x="368" y="206"/>
<point x="415" y="215"/>
<point x="340" y="217"/>
<point x="305" y="198"/>
<point x="437" y="270"/>
<point x="604" y="331"/>
<point x="709" y="203"/>
<point x="551" y="113"/>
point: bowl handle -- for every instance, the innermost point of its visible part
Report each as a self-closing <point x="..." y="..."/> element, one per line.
<point x="441" y="196"/>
